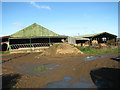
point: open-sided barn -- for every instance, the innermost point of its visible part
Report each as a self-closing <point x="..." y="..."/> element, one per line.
<point x="34" y="36"/>
<point x="103" y="37"/>
<point x="44" y="41"/>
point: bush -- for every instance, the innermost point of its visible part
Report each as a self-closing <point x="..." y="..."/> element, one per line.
<point x="81" y="48"/>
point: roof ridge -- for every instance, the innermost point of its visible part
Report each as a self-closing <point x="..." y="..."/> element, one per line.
<point x="90" y="35"/>
<point x="34" y="30"/>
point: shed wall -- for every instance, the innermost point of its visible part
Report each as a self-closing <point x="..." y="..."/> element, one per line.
<point x="71" y="40"/>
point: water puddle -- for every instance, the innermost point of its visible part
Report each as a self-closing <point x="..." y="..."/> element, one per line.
<point x="89" y="58"/>
<point x="67" y="78"/>
<point x="37" y="68"/>
<point x="65" y="83"/>
<point x="21" y="65"/>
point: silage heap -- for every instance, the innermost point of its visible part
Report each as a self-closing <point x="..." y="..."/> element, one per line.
<point x="61" y="49"/>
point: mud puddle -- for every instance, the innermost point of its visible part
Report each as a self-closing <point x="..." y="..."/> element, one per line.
<point x="89" y="58"/>
<point x="65" y="83"/>
<point x="37" y="68"/>
<point x="21" y="65"/>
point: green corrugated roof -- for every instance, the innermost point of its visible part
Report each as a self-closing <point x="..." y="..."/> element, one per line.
<point x="92" y="35"/>
<point x="88" y="35"/>
<point x="34" y="30"/>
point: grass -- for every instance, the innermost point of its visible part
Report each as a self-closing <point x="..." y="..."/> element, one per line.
<point x="94" y="51"/>
<point x="14" y="87"/>
<point x="57" y="45"/>
<point x="5" y="52"/>
<point x="41" y="68"/>
<point x="101" y="51"/>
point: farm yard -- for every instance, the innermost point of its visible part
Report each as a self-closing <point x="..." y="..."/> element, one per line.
<point x="60" y="70"/>
<point x="64" y="45"/>
<point x="32" y="58"/>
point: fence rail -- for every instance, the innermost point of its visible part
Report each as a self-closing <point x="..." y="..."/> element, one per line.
<point x="28" y="45"/>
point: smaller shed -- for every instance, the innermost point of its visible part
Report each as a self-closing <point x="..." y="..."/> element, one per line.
<point x="4" y="38"/>
<point x="103" y="37"/>
<point x="4" y="43"/>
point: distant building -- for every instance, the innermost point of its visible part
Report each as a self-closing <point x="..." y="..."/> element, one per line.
<point x="100" y="37"/>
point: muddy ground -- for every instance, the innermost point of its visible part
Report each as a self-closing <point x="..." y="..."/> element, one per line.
<point x="18" y="71"/>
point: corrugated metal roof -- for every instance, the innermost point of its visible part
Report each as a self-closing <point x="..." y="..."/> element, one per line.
<point x="92" y="35"/>
<point x="39" y="37"/>
<point x="4" y="37"/>
<point x="88" y="35"/>
<point x="80" y="38"/>
<point x="34" y="30"/>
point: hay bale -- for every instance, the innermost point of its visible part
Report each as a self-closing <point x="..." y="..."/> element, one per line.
<point x="103" y="45"/>
<point x="79" y="44"/>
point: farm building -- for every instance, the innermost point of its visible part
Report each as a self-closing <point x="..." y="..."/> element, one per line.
<point x="33" y="36"/>
<point x="100" y="38"/>
<point x="37" y="36"/>
<point x="44" y="41"/>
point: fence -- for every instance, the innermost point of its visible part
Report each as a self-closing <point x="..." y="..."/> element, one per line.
<point x="29" y="46"/>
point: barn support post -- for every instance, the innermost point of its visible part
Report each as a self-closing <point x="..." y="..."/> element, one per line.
<point x="49" y="41"/>
<point x="67" y="40"/>
<point x="89" y="42"/>
<point x="115" y="41"/>
<point x="30" y="44"/>
<point x="9" y="45"/>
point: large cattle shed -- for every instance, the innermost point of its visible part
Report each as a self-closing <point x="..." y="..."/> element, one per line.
<point x="44" y="41"/>
<point x="35" y="36"/>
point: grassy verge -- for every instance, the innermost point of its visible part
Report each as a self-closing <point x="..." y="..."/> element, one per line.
<point x="5" y="52"/>
<point x="94" y="51"/>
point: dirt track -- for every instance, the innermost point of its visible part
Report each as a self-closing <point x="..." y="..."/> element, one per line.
<point x="62" y="70"/>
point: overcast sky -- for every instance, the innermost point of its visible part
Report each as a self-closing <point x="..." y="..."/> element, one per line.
<point x="65" y="18"/>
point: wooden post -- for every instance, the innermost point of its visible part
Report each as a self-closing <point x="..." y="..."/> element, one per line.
<point x="30" y="43"/>
<point x="49" y="41"/>
<point x="9" y="45"/>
